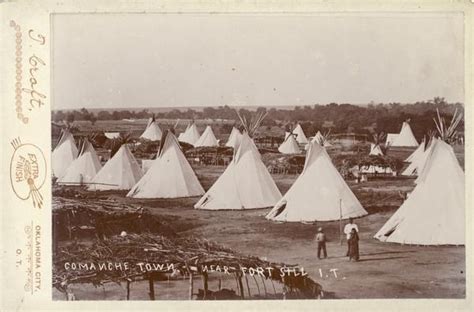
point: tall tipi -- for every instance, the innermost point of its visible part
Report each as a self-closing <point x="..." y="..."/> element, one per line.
<point x="207" y="138"/>
<point x="64" y="153"/>
<point x="152" y="131"/>
<point x="234" y="138"/>
<point x="405" y="137"/>
<point x="191" y="135"/>
<point x="289" y="146"/>
<point x="300" y="136"/>
<point x="434" y="213"/>
<point x="318" y="194"/>
<point x="245" y="184"/>
<point x="84" y="168"/>
<point x="121" y="172"/>
<point x="170" y="175"/>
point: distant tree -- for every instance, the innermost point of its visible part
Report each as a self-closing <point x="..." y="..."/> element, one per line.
<point x="70" y="117"/>
<point x="104" y="115"/>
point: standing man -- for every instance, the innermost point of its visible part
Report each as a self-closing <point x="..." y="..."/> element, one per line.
<point x="321" y="240"/>
<point x="347" y="230"/>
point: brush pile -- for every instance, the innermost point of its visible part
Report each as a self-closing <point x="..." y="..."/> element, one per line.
<point x="73" y="219"/>
<point x="177" y="256"/>
<point x="284" y="164"/>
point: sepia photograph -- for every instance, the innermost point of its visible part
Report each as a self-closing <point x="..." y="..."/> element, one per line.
<point x="257" y="156"/>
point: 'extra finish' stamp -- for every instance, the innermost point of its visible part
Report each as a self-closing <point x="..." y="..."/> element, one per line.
<point x="28" y="172"/>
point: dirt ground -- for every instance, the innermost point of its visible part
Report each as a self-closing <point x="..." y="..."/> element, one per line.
<point x="385" y="270"/>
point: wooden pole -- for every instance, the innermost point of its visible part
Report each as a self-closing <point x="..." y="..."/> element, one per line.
<point x="237" y="283"/>
<point x="258" y="288"/>
<point x="191" y="285"/>
<point x="220" y="284"/>
<point x="204" y="284"/>
<point x="264" y="286"/>
<point x="248" y="287"/>
<point x="128" y="289"/>
<point x="273" y="285"/>
<point x="241" y="286"/>
<point x="340" y="221"/>
<point x="151" y="285"/>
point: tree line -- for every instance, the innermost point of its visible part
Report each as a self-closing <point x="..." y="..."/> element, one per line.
<point x="333" y="117"/>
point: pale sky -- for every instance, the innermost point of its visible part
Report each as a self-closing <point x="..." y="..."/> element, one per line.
<point x="165" y="60"/>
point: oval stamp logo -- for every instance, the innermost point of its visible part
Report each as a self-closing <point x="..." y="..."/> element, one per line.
<point x="27" y="172"/>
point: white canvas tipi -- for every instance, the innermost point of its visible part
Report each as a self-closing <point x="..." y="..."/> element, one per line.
<point x="181" y="136"/>
<point x="417" y="153"/>
<point x="64" y="153"/>
<point x="121" y="172"/>
<point x="390" y="139"/>
<point x="191" y="135"/>
<point x="375" y="150"/>
<point x="434" y="213"/>
<point x="421" y="168"/>
<point x="152" y="132"/>
<point x="300" y="136"/>
<point x="289" y="146"/>
<point x="84" y="168"/>
<point x="320" y="139"/>
<point x="170" y="175"/>
<point x="150" y="120"/>
<point x="234" y="138"/>
<point x="245" y="184"/>
<point x="405" y="137"/>
<point x="417" y="162"/>
<point x="207" y="138"/>
<point x="318" y="194"/>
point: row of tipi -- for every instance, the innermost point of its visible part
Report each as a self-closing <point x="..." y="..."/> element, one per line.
<point x="245" y="184"/>
<point x="190" y="135"/>
<point x="293" y="140"/>
<point x="432" y="214"/>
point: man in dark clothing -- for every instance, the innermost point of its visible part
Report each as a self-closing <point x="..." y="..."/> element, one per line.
<point x="321" y="240"/>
